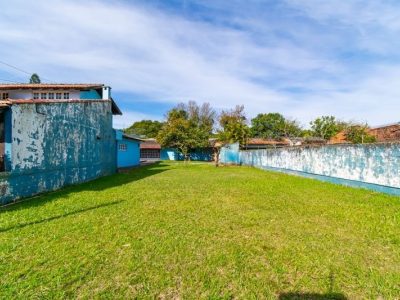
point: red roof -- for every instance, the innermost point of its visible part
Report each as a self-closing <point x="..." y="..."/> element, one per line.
<point x="50" y="86"/>
<point x="150" y="144"/>
<point x="261" y="141"/>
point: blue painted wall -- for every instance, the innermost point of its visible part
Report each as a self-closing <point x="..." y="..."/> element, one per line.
<point x="131" y="156"/>
<point x="90" y="94"/>
<point x="230" y="154"/>
<point x="170" y="154"/>
<point x="53" y="145"/>
<point x="374" y="166"/>
<point x="196" y="155"/>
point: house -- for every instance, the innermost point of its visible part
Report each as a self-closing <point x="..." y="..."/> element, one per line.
<point x="150" y="150"/>
<point x="52" y="135"/>
<point x="383" y="133"/>
<point x="386" y="133"/>
<point x="128" y="150"/>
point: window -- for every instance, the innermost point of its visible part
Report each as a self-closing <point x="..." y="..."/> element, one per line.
<point x="66" y="95"/>
<point x="43" y="95"/>
<point x="58" y="95"/>
<point x="149" y="153"/>
<point x="35" y="95"/>
<point x="51" y="95"/>
<point x="123" y="147"/>
<point x="5" y="96"/>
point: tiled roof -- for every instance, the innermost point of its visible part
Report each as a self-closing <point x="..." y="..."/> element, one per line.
<point x="50" y="86"/>
<point x="150" y="144"/>
<point x="44" y="101"/>
<point x="260" y="141"/>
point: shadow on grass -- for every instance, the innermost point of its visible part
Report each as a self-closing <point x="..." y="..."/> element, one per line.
<point x="99" y="184"/>
<point x="19" y="226"/>
<point x="312" y="296"/>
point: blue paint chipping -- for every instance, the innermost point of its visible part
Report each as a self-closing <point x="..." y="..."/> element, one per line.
<point x="371" y="166"/>
<point x="66" y="143"/>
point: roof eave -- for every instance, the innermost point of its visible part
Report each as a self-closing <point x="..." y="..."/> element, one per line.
<point x="115" y="109"/>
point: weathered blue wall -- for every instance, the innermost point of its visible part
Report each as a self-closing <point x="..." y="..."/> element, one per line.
<point x="196" y="155"/>
<point x="230" y="154"/>
<point x="375" y="166"/>
<point x="130" y="157"/>
<point x="57" y="144"/>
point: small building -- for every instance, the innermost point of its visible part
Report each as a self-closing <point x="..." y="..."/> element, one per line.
<point x="128" y="150"/>
<point x="52" y="135"/>
<point x="150" y="150"/>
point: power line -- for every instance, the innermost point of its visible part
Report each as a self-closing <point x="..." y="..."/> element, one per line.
<point x="1" y="79"/>
<point x="16" y="68"/>
<point x="20" y="70"/>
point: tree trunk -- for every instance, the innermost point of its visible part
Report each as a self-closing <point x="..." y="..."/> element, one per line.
<point x="216" y="156"/>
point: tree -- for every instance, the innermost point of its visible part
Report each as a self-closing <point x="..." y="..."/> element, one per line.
<point x="233" y="129"/>
<point x="145" y="128"/>
<point x="274" y="126"/>
<point x="358" y="134"/>
<point x="34" y="78"/>
<point x="188" y="126"/>
<point x="326" y="127"/>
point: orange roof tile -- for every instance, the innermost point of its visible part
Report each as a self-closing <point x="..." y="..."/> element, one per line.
<point x="54" y="86"/>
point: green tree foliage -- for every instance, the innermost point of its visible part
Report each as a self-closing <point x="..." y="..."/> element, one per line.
<point x="326" y="127"/>
<point x="274" y="126"/>
<point x="232" y="129"/>
<point x="145" y="128"/>
<point x="34" y="78"/>
<point x="188" y="126"/>
<point x="358" y="134"/>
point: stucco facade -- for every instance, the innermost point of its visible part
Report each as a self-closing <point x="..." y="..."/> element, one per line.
<point x="50" y="144"/>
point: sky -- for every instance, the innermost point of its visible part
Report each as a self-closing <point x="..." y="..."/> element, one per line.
<point x="302" y="58"/>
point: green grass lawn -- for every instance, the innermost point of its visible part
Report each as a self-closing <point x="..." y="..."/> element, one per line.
<point x="172" y="230"/>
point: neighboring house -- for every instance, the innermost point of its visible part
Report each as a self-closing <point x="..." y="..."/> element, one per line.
<point x="52" y="135"/>
<point x="128" y="150"/>
<point x="386" y="133"/>
<point x="339" y="138"/>
<point x="150" y="150"/>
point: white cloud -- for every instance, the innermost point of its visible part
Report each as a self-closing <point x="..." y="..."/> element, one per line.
<point x="170" y="58"/>
<point x="129" y="117"/>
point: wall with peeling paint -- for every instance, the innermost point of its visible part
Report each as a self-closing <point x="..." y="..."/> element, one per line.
<point x="56" y="144"/>
<point x="369" y="164"/>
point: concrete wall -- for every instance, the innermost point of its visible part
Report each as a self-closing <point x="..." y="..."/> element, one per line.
<point x="196" y="155"/>
<point x="230" y="154"/>
<point x="368" y="165"/>
<point x="129" y="157"/>
<point x="52" y="145"/>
